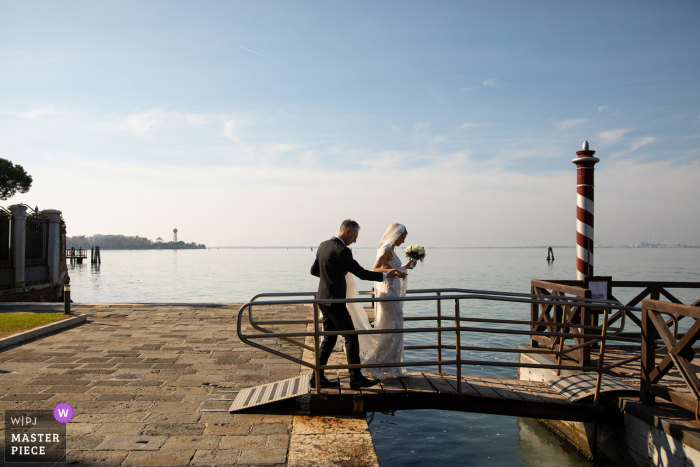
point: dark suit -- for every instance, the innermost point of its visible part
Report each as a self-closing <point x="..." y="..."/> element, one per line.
<point x="333" y="261"/>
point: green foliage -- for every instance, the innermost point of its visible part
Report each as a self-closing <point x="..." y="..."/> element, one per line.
<point x="13" y="179"/>
<point x="13" y="323"/>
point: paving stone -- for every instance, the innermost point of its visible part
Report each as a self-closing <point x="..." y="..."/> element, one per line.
<point x="120" y="428"/>
<point x="76" y="429"/>
<point x="263" y="456"/>
<point x="71" y="398"/>
<point x="270" y="429"/>
<point x="109" y="417"/>
<point x="185" y="443"/>
<point x="227" y="429"/>
<point x="175" y="407"/>
<point x="126" y="407"/>
<point x="243" y="442"/>
<point x="173" y="418"/>
<point x="132" y="443"/>
<point x="333" y="449"/>
<point x="174" y="429"/>
<point x="84" y="442"/>
<point x="65" y="389"/>
<point x="158" y="458"/>
<point x="217" y="457"/>
<point x="96" y="458"/>
<point x="115" y="397"/>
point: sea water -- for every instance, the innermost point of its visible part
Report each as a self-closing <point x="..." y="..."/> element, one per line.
<point x="402" y="438"/>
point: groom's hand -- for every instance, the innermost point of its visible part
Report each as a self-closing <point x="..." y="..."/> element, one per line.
<point x="391" y="274"/>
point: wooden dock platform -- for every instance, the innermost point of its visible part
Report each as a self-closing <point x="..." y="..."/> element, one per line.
<point x="439" y="391"/>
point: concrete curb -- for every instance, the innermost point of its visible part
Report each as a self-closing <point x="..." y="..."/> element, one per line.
<point x="40" y="331"/>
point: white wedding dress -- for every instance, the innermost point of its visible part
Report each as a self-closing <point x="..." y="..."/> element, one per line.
<point x="381" y="348"/>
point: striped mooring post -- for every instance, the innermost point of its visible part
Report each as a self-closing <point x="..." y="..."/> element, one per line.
<point x="585" y="163"/>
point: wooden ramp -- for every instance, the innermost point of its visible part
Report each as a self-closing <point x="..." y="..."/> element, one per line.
<point x="439" y="391"/>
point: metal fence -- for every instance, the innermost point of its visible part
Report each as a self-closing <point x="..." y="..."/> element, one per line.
<point x="5" y="241"/>
<point x="7" y="272"/>
<point x="37" y="241"/>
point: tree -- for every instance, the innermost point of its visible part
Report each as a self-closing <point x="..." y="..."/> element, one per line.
<point x="13" y="179"/>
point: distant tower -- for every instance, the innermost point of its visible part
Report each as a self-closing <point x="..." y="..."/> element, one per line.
<point x="174" y="235"/>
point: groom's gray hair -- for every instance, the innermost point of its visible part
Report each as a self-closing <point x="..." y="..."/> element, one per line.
<point x="349" y="224"/>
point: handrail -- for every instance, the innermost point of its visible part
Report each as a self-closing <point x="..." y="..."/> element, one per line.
<point x="607" y="334"/>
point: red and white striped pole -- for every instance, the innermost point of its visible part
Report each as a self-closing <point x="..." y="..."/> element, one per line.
<point x="585" y="163"/>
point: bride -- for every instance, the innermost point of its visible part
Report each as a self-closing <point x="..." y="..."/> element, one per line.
<point x="383" y="348"/>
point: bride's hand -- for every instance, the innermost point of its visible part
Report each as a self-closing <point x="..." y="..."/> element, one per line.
<point x="411" y="264"/>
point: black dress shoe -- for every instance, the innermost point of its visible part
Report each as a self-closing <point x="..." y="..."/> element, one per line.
<point x="363" y="383"/>
<point x="325" y="382"/>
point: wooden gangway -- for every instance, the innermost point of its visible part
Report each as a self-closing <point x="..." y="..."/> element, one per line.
<point x="448" y="388"/>
<point x="479" y="394"/>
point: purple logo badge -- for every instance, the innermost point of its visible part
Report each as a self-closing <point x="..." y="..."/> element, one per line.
<point x="63" y="413"/>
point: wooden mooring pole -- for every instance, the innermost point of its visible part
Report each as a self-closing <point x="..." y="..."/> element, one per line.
<point x="95" y="255"/>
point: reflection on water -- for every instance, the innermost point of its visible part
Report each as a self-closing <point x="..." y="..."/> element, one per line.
<point x="452" y="438"/>
<point x="409" y="438"/>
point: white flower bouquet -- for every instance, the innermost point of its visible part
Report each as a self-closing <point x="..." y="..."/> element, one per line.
<point x="415" y="252"/>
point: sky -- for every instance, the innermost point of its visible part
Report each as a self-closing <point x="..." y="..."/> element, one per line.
<point x="268" y="123"/>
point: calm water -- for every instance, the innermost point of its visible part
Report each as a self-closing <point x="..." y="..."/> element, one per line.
<point x="409" y="438"/>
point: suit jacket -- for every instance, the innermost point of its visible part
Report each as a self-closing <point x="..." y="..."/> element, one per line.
<point x="333" y="261"/>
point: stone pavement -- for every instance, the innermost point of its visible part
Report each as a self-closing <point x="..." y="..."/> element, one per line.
<point x="139" y="376"/>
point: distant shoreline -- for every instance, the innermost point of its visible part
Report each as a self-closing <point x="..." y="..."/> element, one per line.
<point x="447" y="247"/>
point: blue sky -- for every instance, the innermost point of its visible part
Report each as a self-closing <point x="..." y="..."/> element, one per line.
<point x="267" y="123"/>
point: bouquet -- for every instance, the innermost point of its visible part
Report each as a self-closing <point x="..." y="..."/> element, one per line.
<point x="415" y="252"/>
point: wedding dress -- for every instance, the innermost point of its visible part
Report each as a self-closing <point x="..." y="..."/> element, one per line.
<point x="382" y="348"/>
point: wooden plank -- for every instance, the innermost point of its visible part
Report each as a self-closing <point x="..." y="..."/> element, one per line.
<point x="501" y="389"/>
<point x="482" y="387"/>
<point x="334" y="390"/>
<point x="466" y="388"/>
<point x="687" y="340"/>
<point x="417" y="384"/>
<point x="393" y="386"/>
<point x="439" y="383"/>
<point x="345" y="389"/>
<point x="522" y="391"/>
<point x="374" y="391"/>
<point x="681" y="310"/>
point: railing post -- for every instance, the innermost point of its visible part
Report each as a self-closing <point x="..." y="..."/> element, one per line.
<point x="19" y="239"/>
<point x="649" y="335"/>
<point x="317" y="372"/>
<point x="534" y="315"/>
<point x="54" y="237"/>
<point x="601" y="357"/>
<point x="439" y="334"/>
<point x="458" y="341"/>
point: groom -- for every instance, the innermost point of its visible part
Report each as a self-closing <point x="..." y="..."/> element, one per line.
<point x="333" y="261"/>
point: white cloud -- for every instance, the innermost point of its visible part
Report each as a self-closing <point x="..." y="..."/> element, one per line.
<point x="613" y="136"/>
<point x="140" y="123"/>
<point x="491" y="83"/>
<point x="603" y="108"/>
<point x="438" y="139"/>
<point x="468" y="125"/>
<point x="641" y="141"/>
<point x="570" y="123"/>
<point x="38" y="113"/>
<point x="465" y="90"/>
<point x="421" y="126"/>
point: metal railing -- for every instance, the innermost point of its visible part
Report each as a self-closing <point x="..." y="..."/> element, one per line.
<point x="461" y="324"/>
<point x="5" y="240"/>
<point x="37" y="241"/>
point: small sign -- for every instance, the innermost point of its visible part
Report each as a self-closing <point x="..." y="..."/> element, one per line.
<point x="35" y="436"/>
<point x="600" y="287"/>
